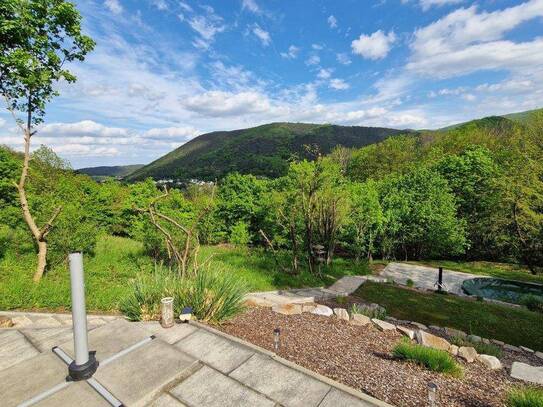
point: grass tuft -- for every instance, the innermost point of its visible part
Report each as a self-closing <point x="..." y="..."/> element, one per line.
<point x="481" y="348"/>
<point x="433" y="359"/>
<point x="525" y="397"/>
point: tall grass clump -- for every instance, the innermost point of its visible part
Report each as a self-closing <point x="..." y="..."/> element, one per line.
<point x="371" y="311"/>
<point x="532" y="302"/>
<point x="214" y="296"/>
<point x="525" y="397"/>
<point x="433" y="359"/>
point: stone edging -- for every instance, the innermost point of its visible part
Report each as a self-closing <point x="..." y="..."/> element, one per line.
<point x="301" y="369"/>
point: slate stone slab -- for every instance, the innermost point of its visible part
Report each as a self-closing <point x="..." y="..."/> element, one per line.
<point x="209" y="388"/>
<point x="336" y="398"/>
<point x="287" y="386"/>
<point x="219" y="353"/>
<point x="137" y="377"/>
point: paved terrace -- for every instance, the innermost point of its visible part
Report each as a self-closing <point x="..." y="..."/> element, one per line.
<point x="187" y="365"/>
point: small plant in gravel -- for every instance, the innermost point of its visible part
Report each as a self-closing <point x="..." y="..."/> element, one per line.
<point x="409" y="283"/>
<point x="433" y="359"/>
<point x="525" y="397"/>
<point x="532" y="302"/>
<point x="371" y="311"/>
<point x="341" y="299"/>
<point x="481" y="348"/>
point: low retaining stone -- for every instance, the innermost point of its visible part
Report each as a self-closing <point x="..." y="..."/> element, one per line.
<point x="467" y="353"/>
<point x="490" y="362"/>
<point x="432" y="341"/>
<point x="406" y="332"/>
<point x="323" y="310"/>
<point x="383" y="326"/>
<point x="341" y="313"/>
<point x="523" y="371"/>
<point x="359" y="319"/>
<point x="453" y="350"/>
<point x="287" y="309"/>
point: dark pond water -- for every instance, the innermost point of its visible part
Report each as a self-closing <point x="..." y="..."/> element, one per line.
<point x="503" y="290"/>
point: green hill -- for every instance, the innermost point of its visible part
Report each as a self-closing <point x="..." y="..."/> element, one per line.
<point x="118" y="171"/>
<point x="263" y="150"/>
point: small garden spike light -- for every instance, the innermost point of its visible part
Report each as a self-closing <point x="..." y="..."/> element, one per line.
<point x="432" y="394"/>
<point x="276" y="339"/>
<point x="186" y="314"/>
<point x="166" y="312"/>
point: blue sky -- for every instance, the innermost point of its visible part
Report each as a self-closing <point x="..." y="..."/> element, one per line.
<point x="165" y="71"/>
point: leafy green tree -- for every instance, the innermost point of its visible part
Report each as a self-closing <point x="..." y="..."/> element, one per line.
<point x="38" y="38"/>
<point x="239" y="234"/>
<point x="420" y="217"/>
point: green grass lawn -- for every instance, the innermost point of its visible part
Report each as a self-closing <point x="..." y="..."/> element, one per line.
<point x="486" y="268"/>
<point x="511" y="325"/>
<point x="117" y="260"/>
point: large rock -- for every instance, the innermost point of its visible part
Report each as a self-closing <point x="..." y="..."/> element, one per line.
<point x="512" y="348"/>
<point x="467" y="353"/>
<point x="359" y="319"/>
<point x="406" y="332"/>
<point x="525" y="349"/>
<point x="287" y="309"/>
<point x="539" y="355"/>
<point x="523" y="371"/>
<point x="419" y="325"/>
<point x="308" y="307"/>
<point x="383" y="326"/>
<point x="341" y="313"/>
<point x="491" y="362"/>
<point x="474" y="339"/>
<point x="5" y="322"/>
<point x="432" y="341"/>
<point x="323" y="310"/>
<point x="455" y="333"/>
<point x="453" y="350"/>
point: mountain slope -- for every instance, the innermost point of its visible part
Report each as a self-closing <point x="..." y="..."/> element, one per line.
<point x="263" y="150"/>
<point x="110" y="171"/>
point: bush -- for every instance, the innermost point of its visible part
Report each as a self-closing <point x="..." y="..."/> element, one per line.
<point x="371" y="311"/>
<point x="481" y="348"/>
<point x="525" y="397"/>
<point x="409" y="282"/>
<point x="239" y="234"/>
<point x="433" y="359"/>
<point x="532" y="302"/>
<point x="213" y="296"/>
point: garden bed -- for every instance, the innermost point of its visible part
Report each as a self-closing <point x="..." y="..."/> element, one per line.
<point x="361" y="357"/>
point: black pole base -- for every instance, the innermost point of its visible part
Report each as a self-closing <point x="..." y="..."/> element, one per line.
<point x="84" y="371"/>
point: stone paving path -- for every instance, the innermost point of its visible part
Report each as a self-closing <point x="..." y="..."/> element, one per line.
<point x="187" y="365"/>
<point x="426" y="277"/>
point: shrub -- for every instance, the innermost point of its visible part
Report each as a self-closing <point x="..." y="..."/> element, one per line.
<point x="371" y="311"/>
<point x="433" y="359"/>
<point x="239" y="234"/>
<point x="481" y="348"/>
<point x="525" y="397"/>
<point x="410" y="283"/>
<point x="214" y="296"/>
<point x="532" y="302"/>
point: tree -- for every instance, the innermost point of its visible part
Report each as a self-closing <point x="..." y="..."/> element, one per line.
<point x="38" y="38"/>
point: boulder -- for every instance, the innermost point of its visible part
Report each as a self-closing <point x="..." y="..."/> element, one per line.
<point x="525" y="349"/>
<point x="435" y="328"/>
<point x="323" y="310"/>
<point x="497" y="342"/>
<point x="406" y="332"/>
<point x="287" y="309"/>
<point x="308" y="307"/>
<point x="490" y="362"/>
<point x="453" y="350"/>
<point x="539" y="355"/>
<point x="5" y="322"/>
<point x="359" y="319"/>
<point x="511" y="348"/>
<point x="474" y="339"/>
<point x="383" y="326"/>
<point x="432" y="341"/>
<point x="455" y="333"/>
<point x="467" y="353"/>
<point x="523" y="371"/>
<point x="341" y="313"/>
<point x="420" y="326"/>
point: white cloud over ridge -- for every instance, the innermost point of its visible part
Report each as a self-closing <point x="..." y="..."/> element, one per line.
<point x="374" y="46"/>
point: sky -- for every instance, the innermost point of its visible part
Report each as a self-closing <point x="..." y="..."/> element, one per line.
<point x="165" y="71"/>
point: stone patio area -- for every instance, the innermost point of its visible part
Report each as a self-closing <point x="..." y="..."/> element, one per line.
<point x="187" y="365"/>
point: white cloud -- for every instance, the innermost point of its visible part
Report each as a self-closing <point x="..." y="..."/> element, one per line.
<point x="185" y="6"/>
<point x="262" y="35"/>
<point x="313" y="60"/>
<point x="250" y="5"/>
<point x="221" y="104"/>
<point x="343" y="59"/>
<point x="427" y="4"/>
<point x="160" y="4"/>
<point x="332" y="21"/>
<point x="82" y="128"/>
<point x="374" y="46"/>
<point x="317" y="47"/>
<point x="177" y="133"/>
<point x="292" y="52"/>
<point x="339" y="84"/>
<point x="465" y="41"/>
<point x="324" y="73"/>
<point x="2" y="122"/>
<point x="207" y="28"/>
<point x="114" y="6"/>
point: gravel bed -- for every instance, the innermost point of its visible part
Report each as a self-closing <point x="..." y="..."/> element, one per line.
<point x="361" y="357"/>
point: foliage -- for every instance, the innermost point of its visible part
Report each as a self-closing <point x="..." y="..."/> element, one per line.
<point x="525" y="396"/>
<point x="532" y="302"/>
<point x="480" y="347"/>
<point x="433" y="359"/>
<point x="371" y="311"/>
<point x="239" y="234"/>
<point x="214" y="296"/>
<point x="516" y="326"/>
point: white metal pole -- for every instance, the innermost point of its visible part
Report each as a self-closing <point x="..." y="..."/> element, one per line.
<point x="79" y="313"/>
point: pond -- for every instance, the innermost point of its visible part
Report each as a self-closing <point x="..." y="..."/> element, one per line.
<point x="502" y="290"/>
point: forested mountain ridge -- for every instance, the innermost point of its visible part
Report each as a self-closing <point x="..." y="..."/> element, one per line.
<point x="263" y="151"/>
<point x="110" y="171"/>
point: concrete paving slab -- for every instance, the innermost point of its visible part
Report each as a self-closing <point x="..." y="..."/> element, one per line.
<point x="348" y="284"/>
<point x="209" y="388"/>
<point x="110" y="339"/>
<point x="287" y="386"/>
<point x="76" y="394"/>
<point x="165" y="400"/>
<point x="45" y="338"/>
<point x="137" y="377"/>
<point x="15" y="349"/>
<point x="169" y="335"/>
<point x="45" y="322"/>
<point x="336" y="398"/>
<point x="30" y="377"/>
<point x="218" y="352"/>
